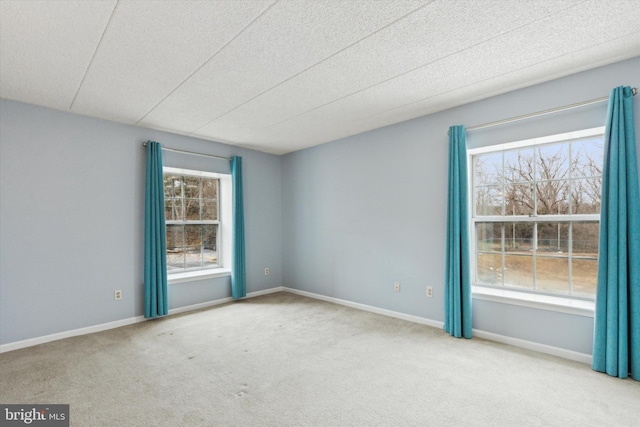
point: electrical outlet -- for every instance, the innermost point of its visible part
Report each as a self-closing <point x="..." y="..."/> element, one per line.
<point x="266" y="271"/>
<point x="396" y="286"/>
<point x="430" y="291"/>
<point x="117" y="295"/>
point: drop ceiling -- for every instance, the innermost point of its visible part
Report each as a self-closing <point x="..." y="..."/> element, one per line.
<point x="280" y="76"/>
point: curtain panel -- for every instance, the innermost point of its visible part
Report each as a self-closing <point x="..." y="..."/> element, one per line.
<point x="616" y="346"/>
<point x="155" y="245"/>
<point x="457" y="289"/>
<point x="238" y="274"/>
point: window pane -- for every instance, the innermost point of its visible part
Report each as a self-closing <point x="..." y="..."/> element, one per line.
<point x="552" y="162"/>
<point x="518" y="199"/>
<point x="209" y="188"/>
<point x="518" y="166"/>
<point x="552" y="197"/>
<point x="488" y="169"/>
<point x="586" y="195"/>
<point x="553" y="237"/>
<point x="585" y="236"/>
<point x="175" y="247"/>
<point x="552" y="274"/>
<point x="489" y="200"/>
<point x="518" y="237"/>
<point x="192" y="187"/>
<point x="584" y="275"/>
<point x="587" y="157"/>
<point x="192" y="209"/>
<point x="489" y="268"/>
<point x="518" y="271"/>
<point x="173" y="197"/>
<point x="488" y="237"/>
<point x="173" y="209"/>
<point x="193" y="243"/>
<point x="209" y="209"/>
<point x="172" y="186"/>
<point x="209" y="244"/>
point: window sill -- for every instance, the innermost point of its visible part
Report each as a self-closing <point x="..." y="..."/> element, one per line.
<point x="542" y="302"/>
<point x="192" y="276"/>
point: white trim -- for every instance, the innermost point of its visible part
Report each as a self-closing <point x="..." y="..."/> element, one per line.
<point x="191" y="172"/>
<point x="72" y="333"/>
<point x="576" y="307"/>
<point x="516" y="342"/>
<point x="192" y="276"/>
<point x="123" y="322"/>
<point x="222" y="301"/>
<point x="529" y="345"/>
<point x="534" y="346"/>
<point x="364" y="307"/>
<point x="567" y="136"/>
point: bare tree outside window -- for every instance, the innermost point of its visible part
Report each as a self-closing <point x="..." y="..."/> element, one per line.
<point x="192" y="221"/>
<point x="537" y="216"/>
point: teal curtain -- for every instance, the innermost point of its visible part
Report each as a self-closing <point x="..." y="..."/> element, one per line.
<point x="616" y="345"/>
<point x="457" y="288"/>
<point x="155" y="245"/>
<point x="238" y="275"/>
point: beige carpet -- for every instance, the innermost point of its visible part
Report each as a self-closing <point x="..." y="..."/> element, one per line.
<point x="287" y="360"/>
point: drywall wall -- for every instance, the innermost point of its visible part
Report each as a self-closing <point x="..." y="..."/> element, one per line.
<point x="368" y="210"/>
<point x="71" y="220"/>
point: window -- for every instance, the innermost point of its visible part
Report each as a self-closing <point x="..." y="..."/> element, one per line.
<point x="194" y="217"/>
<point x="536" y="214"/>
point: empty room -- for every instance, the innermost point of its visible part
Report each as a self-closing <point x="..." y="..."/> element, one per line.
<point x="319" y="213"/>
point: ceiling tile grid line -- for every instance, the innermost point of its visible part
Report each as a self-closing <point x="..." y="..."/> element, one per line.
<point x="276" y="107"/>
<point x="510" y="72"/>
<point x="316" y="64"/>
<point x="470" y="93"/>
<point x="208" y="60"/>
<point x="280" y="76"/>
<point x="423" y="65"/>
<point x="151" y="48"/>
<point x="41" y="60"/>
<point x="295" y="35"/>
<point x="459" y="97"/>
<point x="400" y="48"/>
<point x="629" y="18"/>
<point x="86" y="71"/>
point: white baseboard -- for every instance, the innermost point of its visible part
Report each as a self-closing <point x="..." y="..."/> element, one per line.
<point x="72" y="333"/>
<point x="516" y="342"/>
<point x="119" y="323"/>
<point x="364" y="307"/>
<point x="530" y="345"/>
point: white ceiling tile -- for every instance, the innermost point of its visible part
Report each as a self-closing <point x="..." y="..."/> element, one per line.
<point x="290" y="37"/>
<point x="502" y="56"/>
<point x="509" y="82"/>
<point x="279" y="76"/>
<point x="151" y="47"/>
<point x="46" y="46"/>
<point x="397" y="49"/>
<point x="294" y="132"/>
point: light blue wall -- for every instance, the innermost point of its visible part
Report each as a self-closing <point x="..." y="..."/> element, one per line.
<point x="71" y="220"/>
<point x="345" y="219"/>
<point x="368" y="210"/>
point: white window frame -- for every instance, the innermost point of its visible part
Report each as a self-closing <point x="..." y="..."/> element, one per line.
<point x="572" y="304"/>
<point x="225" y="228"/>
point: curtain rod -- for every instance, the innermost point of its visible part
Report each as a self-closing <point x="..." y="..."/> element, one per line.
<point x="634" y="91"/>
<point x="193" y="153"/>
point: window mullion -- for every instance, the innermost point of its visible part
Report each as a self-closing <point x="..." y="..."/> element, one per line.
<point x="570" y="260"/>
<point x="502" y="246"/>
<point x="535" y="253"/>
